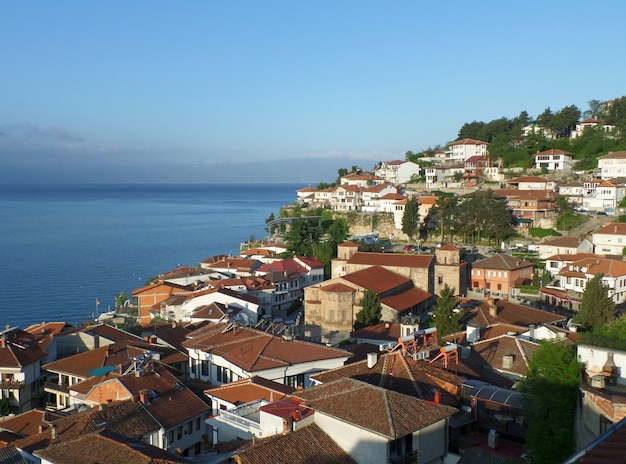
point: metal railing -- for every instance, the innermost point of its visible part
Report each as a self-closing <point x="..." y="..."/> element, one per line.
<point x="56" y="387"/>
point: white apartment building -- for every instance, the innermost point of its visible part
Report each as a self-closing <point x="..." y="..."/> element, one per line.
<point x="466" y="148"/>
<point x="602" y="195"/>
<point x="610" y="239"/>
<point x="554" y="160"/>
<point x="574" y="277"/>
<point x="397" y="172"/>
<point x="612" y="165"/>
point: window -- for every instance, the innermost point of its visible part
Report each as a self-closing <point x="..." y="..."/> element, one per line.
<point x="190" y="427"/>
<point x="179" y="432"/>
<point x="440" y="279"/>
<point x="223" y="374"/>
<point x="170" y="437"/>
<point x="205" y="368"/>
<point x="295" y="381"/>
<point x="198" y="423"/>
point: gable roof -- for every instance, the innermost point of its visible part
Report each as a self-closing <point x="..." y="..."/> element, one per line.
<point x="554" y="151"/>
<point x="250" y="389"/>
<point x="417" y="378"/>
<point x="605" y="266"/>
<point x="410" y="260"/>
<point x="569" y="242"/>
<point x="614" y="155"/>
<point x="388" y="413"/>
<point x="525" y="179"/>
<point x="612" y="228"/>
<point x="107" y="446"/>
<point x="124" y="417"/>
<point x="377" y="279"/>
<point x="28" y="423"/>
<point x="467" y="142"/>
<point x="493" y="350"/>
<point x="306" y="445"/>
<point x="254" y="350"/>
<point x="501" y="261"/>
<point x="509" y="313"/>
<point x="18" y="349"/>
<point x="406" y="299"/>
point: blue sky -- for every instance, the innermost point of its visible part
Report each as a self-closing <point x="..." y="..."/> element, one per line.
<point x="280" y="91"/>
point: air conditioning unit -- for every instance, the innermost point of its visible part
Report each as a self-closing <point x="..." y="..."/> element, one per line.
<point x="598" y="381"/>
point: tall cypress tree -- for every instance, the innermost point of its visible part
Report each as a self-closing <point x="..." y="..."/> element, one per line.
<point x="597" y="309"/>
<point x="446" y="319"/>
<point x="411" y="218"/>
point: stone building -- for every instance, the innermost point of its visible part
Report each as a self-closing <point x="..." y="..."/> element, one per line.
<point x="450" y="270"/>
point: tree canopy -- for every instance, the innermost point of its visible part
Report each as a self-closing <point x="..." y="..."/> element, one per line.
<point x="549" y="403"/>
<point x="370" y="312"/>
<point x="445" y="318"/>
<point x="411" y="218"/>
<point x="597" y="309"/>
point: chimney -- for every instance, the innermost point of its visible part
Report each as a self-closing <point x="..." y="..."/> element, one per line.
<point x="437" y="396"/>
<point x="54" y="431"/>
<point x="507" y="361"/>
<point x="372" y="359"/>
<point x="41" y="428"/>
<point x="493" y="309"/>
<point x="144" y="396"/>
<point x="531" y="334"/>
<point x="3" y="341"/>
<point x="387" y="325"/>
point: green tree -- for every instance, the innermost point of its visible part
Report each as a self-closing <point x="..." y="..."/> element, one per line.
<point x="121" y="299"/>
<point x="340" y="173"/>
<point x="445" y="318"/>
<point x="338" y="231"/>
<point x="5" y="406"/>
<point x="411" y="218"/>
<point x="370" y="312"/>
<point x="302" y="237"/>
<point x="549" y="402"/>
<point x="597" y="309"/>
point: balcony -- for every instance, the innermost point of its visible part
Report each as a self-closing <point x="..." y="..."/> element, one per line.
<point x="11" y="384"/>
<point x="54" y="387"/>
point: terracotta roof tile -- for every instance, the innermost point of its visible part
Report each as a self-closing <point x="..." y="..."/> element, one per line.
<point x="388" y="413"/>
<point x="306" y="445"/>
<point x="109" y="447"/>
<point x="406" y="300"/>
<point x="20" y="349"/>
<point x="28" y="423"/>
<point x="250" y="389"/>
<point x="501" y="261"/>
<point x="254" y="350"/>
<point x="377" y="279"/>
<point x="468" y="142"/>
<point x="392" y="259"/>
<point x="509" y="313"/>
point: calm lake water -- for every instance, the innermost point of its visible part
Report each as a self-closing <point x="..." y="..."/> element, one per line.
<point x="64" y="246"/>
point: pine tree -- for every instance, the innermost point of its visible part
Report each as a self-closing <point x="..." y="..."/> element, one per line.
<point x="446" y="319"/>
<point x="597" y="309"/>
<point x="370" y="312"/>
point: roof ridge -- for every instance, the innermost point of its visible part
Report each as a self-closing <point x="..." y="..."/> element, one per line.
<point x="386" y="403"/>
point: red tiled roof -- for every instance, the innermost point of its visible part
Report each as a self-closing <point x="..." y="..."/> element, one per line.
<point x="524" y="179"/>
<point x="106" y="446"/>
<point x="501" y="261"/>
<point x="337" y="287"/>
<point x="468" y="142"/>
<point x="614" y="155"/>
<point x="28" y="423"/>
<point x="254" y="350"/>
<point x="388" y="413"/>
<point x="250" y="389"/>
<point x="554" y="151"/>
<point x="19" y="349"/>
<point x="510" y="313"/>
<point x="614" y="228"/>
<point x="406" y="300"/>
<point x="392" y="259"/>
<point x="306" y="444"/>
<point x="376" y="278"/>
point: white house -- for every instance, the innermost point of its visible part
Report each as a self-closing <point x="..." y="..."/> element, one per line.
<point x="554" y="160"/>
<point x="603" y="195"/>
<point x="573" y="192"/>
<point x="564" y="246"/>
<point x="531" y="183"/>
<point x="466" y="148"/>
<point x="397" y="172"/>
<point x="556" y="262"/>
<point x="372" y="197"/>
<point x="588" y="123"/>
<point x="612" y="165"/>
<point x="222" y="353"/>
<point x="610" y="239"/>
<point x="441" y="175"/>
<point x="575" y="276"/>
<point x="246" y="304"/>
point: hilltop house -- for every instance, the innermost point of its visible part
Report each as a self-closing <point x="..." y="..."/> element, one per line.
<point x="463" y="149"/>
<point x="612" y="165"/>
<point x="397" y="172"/>
<point x="554" y="160"/>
